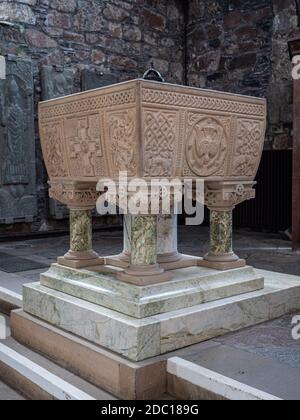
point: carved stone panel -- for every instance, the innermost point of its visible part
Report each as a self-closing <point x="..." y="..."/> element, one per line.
<point x="85" y="148"/>
<point x="122" y="137"/>
<point x="207" y="144"/>
<point x="18" y="200"/>
<point x="248" y="147"/>
<point x="160" y="137"/>
<point x="93" y="80"/>
<point x="56" y="82"/>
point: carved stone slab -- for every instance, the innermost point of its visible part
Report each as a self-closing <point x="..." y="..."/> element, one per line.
<point x="18" y="200"/>
<point x="93" y="80"/>
<point x="152" y="129"/>
<point x="57" y="82"/>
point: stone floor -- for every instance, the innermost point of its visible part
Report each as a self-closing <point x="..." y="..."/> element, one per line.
<point x="265" y="356"/>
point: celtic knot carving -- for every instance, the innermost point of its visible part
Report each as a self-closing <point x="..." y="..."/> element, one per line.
<point x="83" y="104"/>
<point x="248" y="148"/>
<point x="155" y="96"/>
<point x="160" y="140"/>
<point x="53" y="150"/>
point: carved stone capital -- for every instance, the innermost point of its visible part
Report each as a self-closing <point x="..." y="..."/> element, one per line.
<point x="226" y="195"/>
<point x="75" y="195"/>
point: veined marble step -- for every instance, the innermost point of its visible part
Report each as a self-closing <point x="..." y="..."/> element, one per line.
<point x="189" y="287"/>
<point x="188" y="380"/>
<point x="140" y="339"/>
<point x="37" y="378"/>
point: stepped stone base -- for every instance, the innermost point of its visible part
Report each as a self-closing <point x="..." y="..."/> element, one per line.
<point x="148" y="379"/>
<point x="189" y="287"/>
<point x="140" y="339"/>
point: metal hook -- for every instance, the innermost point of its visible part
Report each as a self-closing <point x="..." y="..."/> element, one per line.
<point x="153" y="74"/>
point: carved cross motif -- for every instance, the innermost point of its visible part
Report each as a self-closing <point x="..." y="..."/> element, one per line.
<point x="85" y="145"/>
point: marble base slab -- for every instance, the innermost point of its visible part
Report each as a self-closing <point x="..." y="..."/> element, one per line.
<point x="188" y="287"/>
<point x="139" y="340"/>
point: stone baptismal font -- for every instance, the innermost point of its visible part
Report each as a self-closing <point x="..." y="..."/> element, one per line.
<point x="149" y="300"/>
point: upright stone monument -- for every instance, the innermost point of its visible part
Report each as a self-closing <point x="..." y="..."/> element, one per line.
<point x="18" y="202"/>
<point x="56" y="83"/>
<point x="150" y="300"/>
<point x="94" y="80"/>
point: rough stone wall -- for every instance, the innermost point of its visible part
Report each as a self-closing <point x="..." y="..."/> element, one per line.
<point x="119" y="37"/>
<point x="232" y="45"/>
<point x="241" y="46"/>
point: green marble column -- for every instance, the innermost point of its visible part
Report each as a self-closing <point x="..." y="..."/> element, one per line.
<point x="143" y="240"/>
<point x="80" y="230"/>
<point x="220" y="232"/>
<point x="81" y="253"/>
<point x="221" y="255"/>
<point x="143" y="269"/>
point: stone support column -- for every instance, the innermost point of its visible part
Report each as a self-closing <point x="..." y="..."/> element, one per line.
<point x="167" y="245"/>
<point x="144" y="268"/>
<point x="221" y="198"/>
<point x="221" y="255"/>
<point x="167" y="239"/>
<point x="81" y="252"/>
<point x="81" y="202"/>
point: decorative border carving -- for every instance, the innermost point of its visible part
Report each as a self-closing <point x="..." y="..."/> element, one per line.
<point x="161" y="97"/>
<point x="228" y="195"/>
<point x="98" y="102"/>
<point x="74" y="197"/>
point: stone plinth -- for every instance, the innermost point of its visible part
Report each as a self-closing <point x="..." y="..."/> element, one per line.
<point x="140" y="339"/>
<point x="188" y="287"/>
